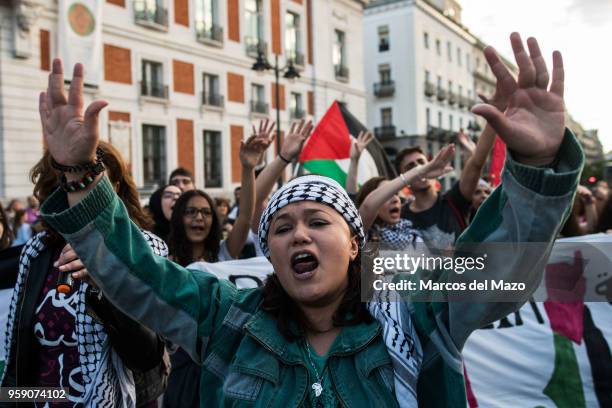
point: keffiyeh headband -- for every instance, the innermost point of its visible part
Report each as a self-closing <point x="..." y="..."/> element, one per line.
<point x="311" y="188"/>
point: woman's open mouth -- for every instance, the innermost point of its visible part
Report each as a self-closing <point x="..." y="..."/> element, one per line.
<point x="304" y="264"/>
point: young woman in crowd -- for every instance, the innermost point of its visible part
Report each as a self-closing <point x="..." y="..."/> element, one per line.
<point x="32" y="211"/>
<point x="72" y="340"/>
<point x="6" y="235"/>
<point x="380" y="205"/>
<point x="196" y="235"/>
<point x="306" y="338"/>
<point x="22" y="230"/>
<point x="222" y="207"/>
<point x="13" y="206"/>
<point x="161" y="204"/>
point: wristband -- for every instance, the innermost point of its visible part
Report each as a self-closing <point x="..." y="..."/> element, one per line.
<point x="283" y="159"/>
<point x="79" y="185"/>
<point x="79" y="167"/>
<point x="404" y="179"/>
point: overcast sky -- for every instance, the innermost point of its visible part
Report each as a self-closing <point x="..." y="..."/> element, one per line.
<point x="580" y="29"/>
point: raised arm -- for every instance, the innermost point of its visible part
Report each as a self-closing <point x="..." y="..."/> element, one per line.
<point x="251" y="153"/>
<point x="357" y="146"/>
<point x="435" y="168"/>
<point x="183" y="306"/>
<point x="291" y="148"/>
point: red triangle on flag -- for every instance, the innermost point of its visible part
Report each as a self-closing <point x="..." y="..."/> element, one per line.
<point x="330" y="140"/>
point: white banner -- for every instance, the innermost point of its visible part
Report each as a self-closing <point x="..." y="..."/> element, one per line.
<point x="80" y="37"/>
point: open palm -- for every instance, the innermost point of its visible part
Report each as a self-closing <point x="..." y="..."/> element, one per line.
<point x="533" y="123"/>
<point x="71" y="136"/>
<point x="440" y="165"/>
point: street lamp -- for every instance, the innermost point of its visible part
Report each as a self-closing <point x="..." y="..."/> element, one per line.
<point x="261" y="65"/>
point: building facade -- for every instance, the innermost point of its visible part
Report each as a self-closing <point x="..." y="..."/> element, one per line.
<point x="179" y="80"/>
<point x="419" y="78"/>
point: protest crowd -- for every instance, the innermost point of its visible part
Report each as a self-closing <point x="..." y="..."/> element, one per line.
<point x="120" y="303"/>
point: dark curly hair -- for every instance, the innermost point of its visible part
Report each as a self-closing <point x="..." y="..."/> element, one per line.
<point x="181" y="249"/>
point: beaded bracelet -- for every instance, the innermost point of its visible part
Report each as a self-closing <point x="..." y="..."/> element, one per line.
<point x="79" y="167"/>
<point x="79" y="185"/>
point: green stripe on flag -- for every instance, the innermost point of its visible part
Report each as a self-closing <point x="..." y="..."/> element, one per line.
<point x="327" y="168"/>
<point x="565" y="385"/>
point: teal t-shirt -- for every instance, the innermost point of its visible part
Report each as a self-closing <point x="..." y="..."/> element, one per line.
<point x="327" y="398"/>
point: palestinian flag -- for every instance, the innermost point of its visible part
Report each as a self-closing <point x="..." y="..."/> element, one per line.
<point x="328" y="148"/>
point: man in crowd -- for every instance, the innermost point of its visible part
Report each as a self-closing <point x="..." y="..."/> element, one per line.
<point x="182" y="178"/>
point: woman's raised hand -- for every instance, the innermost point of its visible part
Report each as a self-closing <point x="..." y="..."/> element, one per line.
<point x="295" y="139"/>
<point x="71" y="137"/>
<point x="533" y="124"/>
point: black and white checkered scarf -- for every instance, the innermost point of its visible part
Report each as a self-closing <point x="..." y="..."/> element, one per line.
<point x="107" y="382"/>
<point x="311" y="188"/>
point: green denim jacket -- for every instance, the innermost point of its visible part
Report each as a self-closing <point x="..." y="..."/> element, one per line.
<point x="246" y="362"/>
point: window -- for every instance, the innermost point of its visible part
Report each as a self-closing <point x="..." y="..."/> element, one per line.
<point x="293" y="38"/>
<point x="151" y="12"/>
<point x="383" y="38"/>
<point x="439" y="82"/>
<point x="450" y="122"/>
<point x="153" y="79"/>
<point x="427" y="76"/>
<point x="468" y="62"/>
<point x="254" y="26"/>
<point x="477" y="63"/>
<point x="297" y="110"/>
<point x="449" y="51"/>
<point x="429" y="149"/>
<point x="460" y="123"/>
<point x="212" y="159"/>
<point x="154" y="154"/>
<point x="258" y="99"/>
<point x="459" y="56"/>
<point x="210" y="95"/>
<point x="207" y="20"/>
<point x="450" y="86"/>
<point x="386" y="117"/>
<point x="438" y="47"/>
<point x="426" y="40"/>
<point x="339" y="55"/>
<point x="460" y="90"/>
<point x="440" y="120"/>
<point x="428" y="118"/>
<point x="384" y="71"/>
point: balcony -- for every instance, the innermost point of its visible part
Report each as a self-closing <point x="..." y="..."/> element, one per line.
<point x="254" y="46"/>
<point x="341" y="72"/>
<point x="452" y="98"/>
<point x="462" y="101"/>
<point x="384" y="89"/>
<point x="297" y="113"/>
<point x="213" y="100"/>
<point x="259" y="107"/>
<point x="385" y="132"/>
<point x="212" y="35"/>
<point x="154" y="90"/>
<point x="153" y="17"/>
<point x="430" y="89"/>
<point x="441" y="94"/>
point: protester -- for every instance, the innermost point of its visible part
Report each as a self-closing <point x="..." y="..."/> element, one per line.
<point x="196" y="235"/>
<point x="161" y="204"/>
<point x="222" y="207"/>
<point x="66" y="346"/>
<point x="6" y="235"/>
<point x="13" y="206"/>
<point x="442" y="217"/>
<point x="234" y="211"/>
<point x="380" y="205"/>
<point x="22" y="230"/>
<point x="310" y="312"/>
<point x="483" y="190"/>
<point x="32" y="212"/>
<point x="182" y="178"/>
<point x="605" y="219"/>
